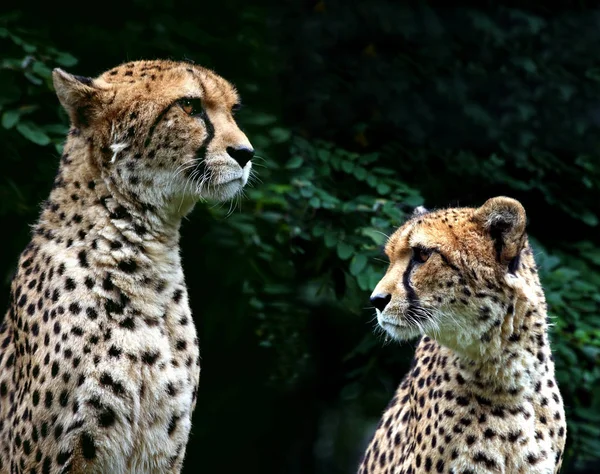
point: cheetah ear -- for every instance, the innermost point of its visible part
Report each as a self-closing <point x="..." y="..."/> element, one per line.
<point x="79" y="96"/>
<point x="419" y="210"/>
<point x="505" y="220"/>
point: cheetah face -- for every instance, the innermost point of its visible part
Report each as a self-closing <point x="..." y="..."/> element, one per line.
<point x="451" y="272"/>
<point x="164" y="133"/>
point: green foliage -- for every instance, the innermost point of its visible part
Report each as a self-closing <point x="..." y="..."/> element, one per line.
<point x="572" y="285"/>
<point x="359" y="113"/>
<point x="314" y="235"/>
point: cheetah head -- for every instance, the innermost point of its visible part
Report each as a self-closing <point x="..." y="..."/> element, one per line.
<point x="453" y="273"/>
<point x="162" y="132"/>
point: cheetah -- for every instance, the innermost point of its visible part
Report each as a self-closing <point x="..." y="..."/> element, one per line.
<point x="99" y="358"/>
<point x="480" y="396"/>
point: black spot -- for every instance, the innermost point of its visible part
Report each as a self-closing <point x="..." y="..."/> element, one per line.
<point x="462" y="401"/>
<point x="27" y="447"/>
<point x="115" y="352"/>
<point x="482" y="458"/>
<point x="91" y="313"/>
<point x="70" y="284"/>
<point x="75" y="308"/>
<point x="150" y="357"/>
<point x="177" y="296"/>
<point x="87" y="446"/>
<point x="113" y="307"/>
<point x="120" y="213"/>
<point x="514" y="436"/>
<point x="63" y="457"/>
<point x="46" y="466"/>
<point x="128" y="266"/>
<point x="107" y="380"/>
<point x="128" y="323"/>
<point x="58" y="431"/>
<point x="107" y="283"/>
<point x="82" y="256"/>
<point x="172" y="424"/>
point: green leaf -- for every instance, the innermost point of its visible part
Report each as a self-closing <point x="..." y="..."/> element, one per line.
<point x="589" y="218"/>
<point x="280" y="135"/>
<point x="260" y="119"/>
<point x="330" y="238"/>
<point x="33" y="133"/>
<point x="344" y="250"/>
<point x="383" y="188"/>
<point x="324" y="155"/>
<point x="358" y="263"/>
<point x="374" y="234"/>
<point x="66" y="59"/>
<point x="294" y="162"/>
<point x="413" y="200"/>
<point x="360" y="173"/>
<point x="10" y="118"/>
<point x="34" y="79"/>
<point x="41" y="69"/>
<point x="347" y="166"/>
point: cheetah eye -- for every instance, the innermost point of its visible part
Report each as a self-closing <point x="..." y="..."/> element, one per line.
<point x="235" y="108"/>
<point x="191" y="106"/>
<point x="421" y="254"/>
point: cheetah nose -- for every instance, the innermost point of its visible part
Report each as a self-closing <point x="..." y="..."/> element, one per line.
<point x="380" y="301"/>
<point x="242" y="155"/>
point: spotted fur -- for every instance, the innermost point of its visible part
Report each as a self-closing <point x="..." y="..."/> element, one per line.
<point x="481" y="396"/>
<point x="99" y="359"/>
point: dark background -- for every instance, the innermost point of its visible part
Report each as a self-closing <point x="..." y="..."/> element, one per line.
<point x="359" y="111"/>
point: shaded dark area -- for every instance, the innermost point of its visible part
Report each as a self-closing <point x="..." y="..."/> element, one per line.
<point x="359" y="112"/>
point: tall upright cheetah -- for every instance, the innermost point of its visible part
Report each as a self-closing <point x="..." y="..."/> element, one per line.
<point x="99" y="359"/>
<point x="480" y="396"/>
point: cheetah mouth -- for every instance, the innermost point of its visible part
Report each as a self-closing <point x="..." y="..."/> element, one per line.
<point x="397" y="329"/>
<point x="228" y="180"/>
<point x="222" y="173"/>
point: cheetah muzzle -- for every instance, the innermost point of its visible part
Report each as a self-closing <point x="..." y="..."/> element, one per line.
<point x="481" y="396"/>
<point x="99" y="359"/>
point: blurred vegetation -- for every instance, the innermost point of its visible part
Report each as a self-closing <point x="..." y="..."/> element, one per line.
<point x="359" y="111"/>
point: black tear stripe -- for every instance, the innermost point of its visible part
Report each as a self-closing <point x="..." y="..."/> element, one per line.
<point x="411" y="295"/>
<point x="201" y="153"/>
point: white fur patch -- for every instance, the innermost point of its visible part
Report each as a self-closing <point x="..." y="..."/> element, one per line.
<point x="117" y="148"/>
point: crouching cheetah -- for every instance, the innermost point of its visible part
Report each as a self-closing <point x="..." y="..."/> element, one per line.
<point x="480" y="396"/>
<point x="99" y="359"/>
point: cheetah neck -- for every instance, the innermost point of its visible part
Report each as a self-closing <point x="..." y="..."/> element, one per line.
<point x="85" y="196"/>
<point x="516" y="355"/>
